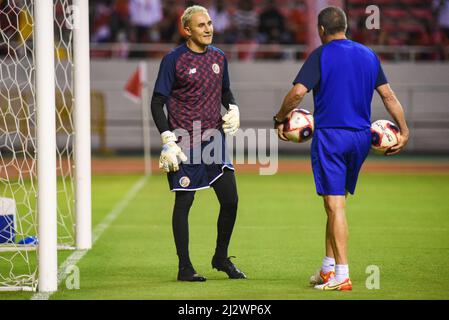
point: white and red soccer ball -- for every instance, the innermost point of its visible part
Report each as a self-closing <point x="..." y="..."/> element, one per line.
<point x="299" y="126"/>
<point x="384" y="135"/>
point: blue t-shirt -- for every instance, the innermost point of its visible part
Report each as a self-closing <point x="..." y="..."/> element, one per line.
<point x="343" y="75"/>
<point x="193" y="83"/>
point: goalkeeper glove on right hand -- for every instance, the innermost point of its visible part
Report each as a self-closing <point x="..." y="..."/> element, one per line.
<point x="170" y="153"/>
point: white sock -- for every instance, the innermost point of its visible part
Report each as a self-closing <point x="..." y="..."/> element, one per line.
<point x="341" y="272"/>
<point x="328" y="265"/>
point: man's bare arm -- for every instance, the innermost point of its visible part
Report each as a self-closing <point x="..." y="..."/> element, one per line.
<point x="291" y="101"/>
<point x="396" y="111"/>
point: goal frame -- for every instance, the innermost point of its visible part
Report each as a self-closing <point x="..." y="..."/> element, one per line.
<point x="46" y="137"/>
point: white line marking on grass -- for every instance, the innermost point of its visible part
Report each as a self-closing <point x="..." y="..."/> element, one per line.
<point x="73" y="259"/>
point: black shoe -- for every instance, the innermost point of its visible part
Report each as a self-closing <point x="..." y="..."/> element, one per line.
<point x="189" y="274"/>
<point x="225" y="265"/>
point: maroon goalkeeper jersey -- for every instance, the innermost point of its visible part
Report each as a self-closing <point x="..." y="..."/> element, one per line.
<point x="193" y="83"/>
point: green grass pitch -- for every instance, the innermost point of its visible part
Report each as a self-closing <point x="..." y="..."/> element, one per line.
<point x="398" y="222"/>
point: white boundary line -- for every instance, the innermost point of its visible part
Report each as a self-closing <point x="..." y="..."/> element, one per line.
<point x="73" y="259"/>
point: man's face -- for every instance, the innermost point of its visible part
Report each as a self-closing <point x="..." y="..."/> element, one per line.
<point x="200" y="29"/>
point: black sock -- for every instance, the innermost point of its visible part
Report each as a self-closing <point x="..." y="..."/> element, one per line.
<point x="180" y="223"/>
<point x="226" y="191"/>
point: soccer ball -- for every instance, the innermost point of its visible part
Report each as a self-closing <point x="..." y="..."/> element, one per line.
<point x="298" y="126"/>
<point x="384" y="135"/>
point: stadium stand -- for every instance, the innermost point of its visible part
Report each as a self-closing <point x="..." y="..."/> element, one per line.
<point x="256" y="23"/>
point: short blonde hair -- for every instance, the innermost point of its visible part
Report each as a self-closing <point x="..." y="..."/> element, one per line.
<point x="189" y="12"/>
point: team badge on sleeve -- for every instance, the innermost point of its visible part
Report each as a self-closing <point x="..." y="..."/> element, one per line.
<point x="216" y="68"/>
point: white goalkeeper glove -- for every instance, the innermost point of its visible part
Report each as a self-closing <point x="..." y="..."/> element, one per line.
<point x="231" y="120"/>
<point x="170" y="153"/>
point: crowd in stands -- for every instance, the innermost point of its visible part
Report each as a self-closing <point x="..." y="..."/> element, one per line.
<point x="277" y="22"/>
<point x="240" y="22"/>
<point x="157" y="21"/>
<point x="403" y="23"/>
<point x="251" y="23"/>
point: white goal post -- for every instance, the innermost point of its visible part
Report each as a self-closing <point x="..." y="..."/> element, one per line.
<point x="82" y="126"/>
<point x="45" y="139"/>
<point x="46" y="145"/>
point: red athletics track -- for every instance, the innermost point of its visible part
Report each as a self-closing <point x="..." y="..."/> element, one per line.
<point x="136" y="166"/>
<point x="132" y="165"/>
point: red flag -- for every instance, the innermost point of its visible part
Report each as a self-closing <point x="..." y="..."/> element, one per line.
<point x="133" y="88"/>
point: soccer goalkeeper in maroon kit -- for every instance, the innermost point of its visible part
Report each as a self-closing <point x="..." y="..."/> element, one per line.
<point x="193" y="83"/>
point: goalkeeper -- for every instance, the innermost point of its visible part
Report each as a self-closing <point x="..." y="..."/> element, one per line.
<point x="193" y="82"/>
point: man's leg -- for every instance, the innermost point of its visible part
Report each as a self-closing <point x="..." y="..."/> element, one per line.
<point x="321" y="162"/>
<point x="328" y="265"/>
<point x="327" y="270"/>
<point x="329" y="260"/>
<point x="180" y="223"/>
<point x="337" y="227"/>
<point x="329" y="249"/>
<point x="226" y="190"/>
<point x="337" y="240"/>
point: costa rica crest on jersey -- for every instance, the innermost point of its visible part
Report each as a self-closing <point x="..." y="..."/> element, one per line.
<point x="216" y="68"/>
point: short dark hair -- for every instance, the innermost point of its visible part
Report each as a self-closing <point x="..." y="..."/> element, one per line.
<point x="333" y="20"/>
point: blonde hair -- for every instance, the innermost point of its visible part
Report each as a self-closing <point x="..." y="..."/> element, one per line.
<point x="189" y="12"/>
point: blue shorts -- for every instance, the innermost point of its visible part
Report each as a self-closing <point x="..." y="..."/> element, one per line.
<point x="337" y="157"/>
<point x="203" y="167"/>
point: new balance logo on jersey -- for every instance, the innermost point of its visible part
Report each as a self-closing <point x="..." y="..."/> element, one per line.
<point x="192" y="71"/>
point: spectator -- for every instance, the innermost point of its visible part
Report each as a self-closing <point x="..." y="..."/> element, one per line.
<point x="297" y="22"/>
<point x="120" y="21"/>
<point x="221" y="19"/>
<point x="168" y="27"/>
<point x="245" y="20"/>
<point x="441" y="8"/>
<point x="101" y="28"/>
<point x="271" y="24"/>
<point x="144" y="16"/>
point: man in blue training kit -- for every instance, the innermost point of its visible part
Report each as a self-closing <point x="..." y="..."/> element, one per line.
<point x="343" y="76"/>
<point x="193" y="83"/>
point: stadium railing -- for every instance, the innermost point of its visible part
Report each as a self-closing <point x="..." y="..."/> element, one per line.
<point x="254" y="51"/>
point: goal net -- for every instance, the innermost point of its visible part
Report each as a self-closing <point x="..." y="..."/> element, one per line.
<point x="19" y="240"/>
